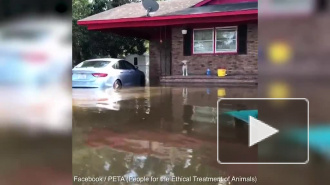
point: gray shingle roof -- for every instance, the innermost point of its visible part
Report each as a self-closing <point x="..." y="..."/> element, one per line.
<point x="218" y="8"/>
<point x="134" y="10"/>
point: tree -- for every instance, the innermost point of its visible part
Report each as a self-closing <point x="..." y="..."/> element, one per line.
<point x="80" y="9"/>
<point x="95" y="44"/>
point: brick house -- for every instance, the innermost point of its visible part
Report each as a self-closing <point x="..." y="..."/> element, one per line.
<point x="210" y="34"/>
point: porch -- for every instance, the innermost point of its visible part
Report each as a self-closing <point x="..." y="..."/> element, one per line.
<point x="202" y="79"/>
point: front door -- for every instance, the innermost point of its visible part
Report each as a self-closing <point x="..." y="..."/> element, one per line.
<point x="166" y="51"/>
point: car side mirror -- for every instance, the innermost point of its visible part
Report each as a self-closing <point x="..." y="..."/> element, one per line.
<point x="136" y="67"/>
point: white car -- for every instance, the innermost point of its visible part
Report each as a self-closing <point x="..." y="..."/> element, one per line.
<point x="35" y="51"/>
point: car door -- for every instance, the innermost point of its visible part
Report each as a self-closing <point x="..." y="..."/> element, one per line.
<point x="124" y="74"/>
<point x="114" y="72"/>
<point x="134" y="74"/>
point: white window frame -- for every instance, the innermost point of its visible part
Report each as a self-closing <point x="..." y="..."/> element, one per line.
<point x="215" y="39"/>
<point x="210" y="52"/>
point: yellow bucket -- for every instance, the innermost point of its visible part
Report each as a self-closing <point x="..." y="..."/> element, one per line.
<point x="221" y="72"/>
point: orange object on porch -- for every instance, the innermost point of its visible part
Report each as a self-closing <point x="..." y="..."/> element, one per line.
<point x="221" y="72"/>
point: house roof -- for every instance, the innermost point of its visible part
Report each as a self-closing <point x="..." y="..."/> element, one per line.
<point x="173" y="12"/>
<point x="217" y="8"/>
<point x="134" y="10"/>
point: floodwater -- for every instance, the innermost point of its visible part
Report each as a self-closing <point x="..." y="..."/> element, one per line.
<point x="152" y="131"/>
<point x="172" y="131"/>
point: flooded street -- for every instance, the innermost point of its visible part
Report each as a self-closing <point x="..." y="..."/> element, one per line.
<point x="156" y="131"/>
<point x="172" y="131"/>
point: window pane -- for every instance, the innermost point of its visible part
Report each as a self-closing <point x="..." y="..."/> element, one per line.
<point x="203" y="34"/>
<point x="226" y="45"/>
<point x="122" y="65"/>
<point x="115" y="65"/>
<point x="226" y="40"/>
<point x="226" y="34"/>
<point x="93" y="64"/>
<point x="203" y="47"/>
<point x="128" y="65"/>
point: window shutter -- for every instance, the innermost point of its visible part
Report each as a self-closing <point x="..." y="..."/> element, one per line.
<point x="187" y="42"/>
<point x="242" y="39"/>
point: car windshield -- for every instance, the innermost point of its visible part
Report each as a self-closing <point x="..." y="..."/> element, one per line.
<point x="93" y="64"/>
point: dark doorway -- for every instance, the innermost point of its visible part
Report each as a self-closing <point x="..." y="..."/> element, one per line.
<point x="166" y="51"/>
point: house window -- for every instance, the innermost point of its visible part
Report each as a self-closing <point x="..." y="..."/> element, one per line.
<point x="215" y="40"/>
<point x="226" y="40"/>
<point x="203" y="40"/>
<point x="135" y="61"/>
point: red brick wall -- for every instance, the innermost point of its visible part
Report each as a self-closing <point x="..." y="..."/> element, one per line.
<point x="198" y="64"/>
<point x="154" y="61"/>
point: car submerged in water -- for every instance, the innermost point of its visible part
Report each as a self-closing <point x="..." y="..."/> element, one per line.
<point x="107" y="72"/>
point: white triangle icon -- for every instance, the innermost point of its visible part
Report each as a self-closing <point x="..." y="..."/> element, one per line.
<point x="259" y="131"/>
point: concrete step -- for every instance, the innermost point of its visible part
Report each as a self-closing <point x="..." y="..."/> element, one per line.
<point x="241" y="79"/>
<point x="218" y="81"/>
<point x="211" y="77"/>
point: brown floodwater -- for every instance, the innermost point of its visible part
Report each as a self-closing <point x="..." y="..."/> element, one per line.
<point x="152" y="131"/>
<point x="164" y="132"/>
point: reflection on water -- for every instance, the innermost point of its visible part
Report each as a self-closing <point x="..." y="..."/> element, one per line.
<point x="159" y="131"/>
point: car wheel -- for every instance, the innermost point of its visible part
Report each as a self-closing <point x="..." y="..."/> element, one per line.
<point x="117" y="85"/>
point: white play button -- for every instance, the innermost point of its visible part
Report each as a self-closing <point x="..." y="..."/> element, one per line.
<point x="259" y="131"/>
